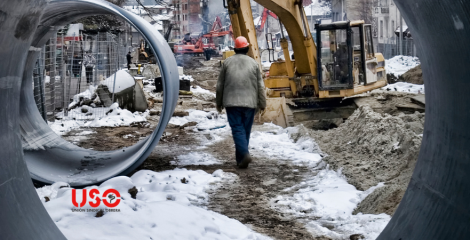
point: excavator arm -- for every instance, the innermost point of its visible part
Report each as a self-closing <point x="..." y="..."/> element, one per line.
<point x="291" y="14"/>
<point x="264" y="18"/>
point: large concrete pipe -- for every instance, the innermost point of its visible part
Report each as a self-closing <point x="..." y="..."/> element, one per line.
<point x="52" y="159"/>
<point x="25" y="26"/>
<point x="436" y="203"/>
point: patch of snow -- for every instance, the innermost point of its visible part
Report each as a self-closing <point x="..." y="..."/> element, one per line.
<point x="186" y="77"/>
<point x="127" y="136"/>
<point x="165" y="208"/>
<point x="206" y="121"/>
<point x="83" y="133"/>
<point x="118" y="117"/>
<point x="405" y="87"/>
<point x="278" y="143"/>
<point x="61" y="127"/>
<point x="399" y="65"/>
<point x="330" y="199"/>
<point x="202" y="94"/>
<point x="196" y="158"/>
<point x="266" y="66"/>
<point x="88" y="93"/>
<point x="115" y="117"/>
<point x="123" y="81"/>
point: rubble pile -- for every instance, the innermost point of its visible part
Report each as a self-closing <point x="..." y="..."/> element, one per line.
<point x="373" y="147"/>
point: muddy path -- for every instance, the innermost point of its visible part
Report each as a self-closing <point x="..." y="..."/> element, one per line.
<point x="245" y="199"/>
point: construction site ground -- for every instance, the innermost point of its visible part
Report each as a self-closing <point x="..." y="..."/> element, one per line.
<point x="379" y="143"/>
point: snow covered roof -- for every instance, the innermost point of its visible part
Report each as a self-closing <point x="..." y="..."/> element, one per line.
<point x="158" y="26"/>
<point x="317" y="9"/>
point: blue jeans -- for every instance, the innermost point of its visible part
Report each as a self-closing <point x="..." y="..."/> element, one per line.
<point x="241" y="121"/>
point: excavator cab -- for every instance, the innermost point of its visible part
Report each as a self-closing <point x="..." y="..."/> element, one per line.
<point x="346" y="58"/>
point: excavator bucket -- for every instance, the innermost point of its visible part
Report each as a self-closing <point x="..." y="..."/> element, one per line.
<point x="277" y="112"/>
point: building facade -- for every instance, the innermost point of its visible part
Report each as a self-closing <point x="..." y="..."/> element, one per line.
<point x="188" y="16"/>
<point x="387" y="25"/>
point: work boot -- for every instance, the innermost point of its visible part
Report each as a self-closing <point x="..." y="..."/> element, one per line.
<point x="244" y="163"/>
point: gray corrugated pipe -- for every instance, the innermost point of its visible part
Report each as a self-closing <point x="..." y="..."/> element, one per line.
<point x="25" y="26"/>
<point x="436" y="204"/>
<point x="52" y="159"/>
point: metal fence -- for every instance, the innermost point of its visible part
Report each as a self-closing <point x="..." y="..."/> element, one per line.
<point x="390" y="47"/>
<point x="68" y="70"/>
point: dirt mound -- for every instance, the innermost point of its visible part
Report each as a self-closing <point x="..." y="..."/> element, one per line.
<point x="189" y="61"/>
<point x="375" y="147"/>
<point x="414" y="75"/>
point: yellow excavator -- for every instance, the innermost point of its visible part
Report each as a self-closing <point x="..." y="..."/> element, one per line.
<point x="317" y="76"/>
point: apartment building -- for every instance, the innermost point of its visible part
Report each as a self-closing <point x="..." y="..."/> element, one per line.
<point x="189" y="16"/>
<point x="386" y="30"/>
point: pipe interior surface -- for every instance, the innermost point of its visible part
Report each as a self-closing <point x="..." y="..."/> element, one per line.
<point x="435" y="205"/>
<point x="52" y="159"/>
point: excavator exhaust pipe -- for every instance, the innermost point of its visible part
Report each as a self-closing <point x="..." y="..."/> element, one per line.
<point x="435" y="206"/>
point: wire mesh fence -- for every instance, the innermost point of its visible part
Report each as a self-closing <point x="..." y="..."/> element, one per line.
<point x="390" y="47"/>
<point x="68" y="71"/>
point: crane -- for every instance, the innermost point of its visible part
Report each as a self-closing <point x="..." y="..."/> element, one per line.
<point x="264" y="18"/>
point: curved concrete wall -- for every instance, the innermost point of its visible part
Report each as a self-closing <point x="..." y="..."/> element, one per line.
<point x="52" y="159"/>
<point x="25" y="26"/>
<point x="436" y="203"/>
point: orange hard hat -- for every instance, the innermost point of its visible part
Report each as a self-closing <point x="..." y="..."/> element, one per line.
<point x="241" y="42"/>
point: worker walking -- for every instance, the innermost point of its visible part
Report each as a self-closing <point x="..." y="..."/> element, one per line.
<point x="240" y="90"/>
<point x="129" y="60"/>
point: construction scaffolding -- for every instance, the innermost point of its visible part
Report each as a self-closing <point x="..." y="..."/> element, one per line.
<point x="68" y="70"/>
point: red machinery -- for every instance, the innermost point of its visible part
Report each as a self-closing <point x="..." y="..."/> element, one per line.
<point x="204" y="44"/>
<point x="264" y="18"/>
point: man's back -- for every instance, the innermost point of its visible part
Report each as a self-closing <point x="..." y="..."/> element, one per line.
<point x="240" y="83"/>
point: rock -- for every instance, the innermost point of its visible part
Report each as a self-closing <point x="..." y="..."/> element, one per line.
<point x="180" y="114"/>
<point x="150" y="103"/>
<point x="170" y="126"/>
<point x="208" y="105"/>
<point x="86" y="102"/>
<point x="157" y="100"/>
<point x="356" y="237"/>
<point x="84" y="110"/>
<point x="100" y="213"/>
<point x="154" y="112"/>
<point x="189" y="124"/>
<point x="133" y="192"/>
<point x="391" y="79"/>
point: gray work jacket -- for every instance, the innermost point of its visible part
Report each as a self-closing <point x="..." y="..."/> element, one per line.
<point x="240" y="83"/>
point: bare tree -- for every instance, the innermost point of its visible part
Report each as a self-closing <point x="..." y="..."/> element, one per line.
<point x="365" y="10"/>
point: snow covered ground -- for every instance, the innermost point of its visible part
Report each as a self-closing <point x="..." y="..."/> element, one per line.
<point x="168" y="206"/>
<point x="115" y="117"/>
<point x="399" y="65"/>
<point x="329" y="199"/>
<point x="405" y="87"/>
<point x="325" y="201"/>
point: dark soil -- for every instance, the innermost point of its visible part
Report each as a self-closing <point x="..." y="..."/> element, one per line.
<point x="414" y="75"/>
